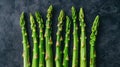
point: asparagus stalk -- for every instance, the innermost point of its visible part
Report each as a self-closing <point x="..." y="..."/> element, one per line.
<point x="83" y="39"/>
<point x="41" y="40"/>
<point x="35" y="42"/>
<point x="75" y="39"/>
<point x="92" y="42"/>
<point x="25" y="42"/>
<point x="48" y="38"/>
<point x="58" y="57"/>
<point x="67" y="38"/>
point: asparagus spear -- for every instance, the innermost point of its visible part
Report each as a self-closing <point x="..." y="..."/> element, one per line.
<point x="92" y="42"/>
<point x="58" y="57"/>
<point x="41" y="40"/>
<point x="48" y="38"/>
<point x="25" y="42"/>
<point x="35" y="42"/>
<point x="75" y="39"/>
<point x="67" y="38"/>
<point x="83" y="39"/>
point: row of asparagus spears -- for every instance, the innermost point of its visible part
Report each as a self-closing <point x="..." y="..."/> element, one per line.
<point x="42" y="49"/>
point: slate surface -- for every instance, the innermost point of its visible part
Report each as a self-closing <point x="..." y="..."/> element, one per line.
<point x="108" y="41"/>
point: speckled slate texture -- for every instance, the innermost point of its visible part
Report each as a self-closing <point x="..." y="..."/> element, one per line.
<point x="108" y="40"/>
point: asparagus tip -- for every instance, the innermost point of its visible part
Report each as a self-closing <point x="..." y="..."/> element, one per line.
<point x="31" y="16"/>
<point x="96" y="18"/>
<point x="81" y="13"/>
<point x="49" y="15"/>
<point x="37" y="12"/>
<point x="50" y="8"/>
<point x="73" y="8"/>
<point x="73" y="13"/>
<point x="38" y="16"/>
<point x="22" y="19"/>
<point x="22" y="13"/>
<point x="67" y="17"/>
<point x="61" y="16"/>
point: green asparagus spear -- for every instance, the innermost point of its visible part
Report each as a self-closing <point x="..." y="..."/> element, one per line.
<point x="83" y="39"/>
<point x="48" y="38"/>
<point x="75" y="39"/>
<point x="67" y="38"/>
<point x="58" y="57"/>
<point x="41" y="40"/>
<point x="25" y="42"/>
<point x="92" y="42"/>
<point x="35" y="42"/>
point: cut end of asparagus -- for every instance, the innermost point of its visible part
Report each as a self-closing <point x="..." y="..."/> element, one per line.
<point x="61" y="16"/>
<point x="49" y="11"/>
<point x="81" y="14"/>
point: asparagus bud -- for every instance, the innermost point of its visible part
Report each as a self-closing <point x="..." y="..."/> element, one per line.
<point x="41" y="40"/>
<point x="75" y="39"/>
<point x="92" y="42"/>
<point x="48" y="38"/>
<point x="26" y="56"/>
<point x="67" y="39"/>
<point x="58" y="57"/>
<point x="35" y="42"/>
<point x="83" y="39"/>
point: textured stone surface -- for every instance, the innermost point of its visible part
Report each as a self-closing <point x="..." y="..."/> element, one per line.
<point x="108" y="41"/>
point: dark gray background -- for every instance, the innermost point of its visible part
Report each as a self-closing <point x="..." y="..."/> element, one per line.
<point x="108" y="41"/>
